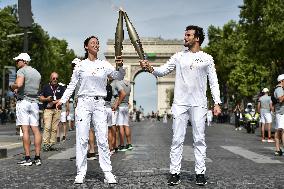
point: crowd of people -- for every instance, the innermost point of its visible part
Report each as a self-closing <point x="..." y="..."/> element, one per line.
<point x="268" y="111"/>
<point x="8" y="113"/>
<point x="86" y="99"/>
<point x="99" y="94"/>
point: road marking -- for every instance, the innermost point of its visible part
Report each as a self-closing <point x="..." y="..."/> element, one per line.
<point x="257" y="158"/>
<point x="70" y="152"/>
<point x="270" y="148"/>
<point x="11" y="145"/>
<point x="140" y="152"/>
<point x="188" y="154"/>
<point x="144" y="171"/>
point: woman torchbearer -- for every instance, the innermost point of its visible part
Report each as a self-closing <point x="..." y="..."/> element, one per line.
<point x="92" y="73"/>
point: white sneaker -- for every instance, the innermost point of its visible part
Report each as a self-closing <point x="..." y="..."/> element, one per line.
<point x="79" y="179"/>
<point x="110" y="178"/>
<point x="25" y="162"/>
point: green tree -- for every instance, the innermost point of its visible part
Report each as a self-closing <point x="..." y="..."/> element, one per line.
<point x="47" y="54"/>
<point x="263" y="23"/>
<point x="249" y="55"/>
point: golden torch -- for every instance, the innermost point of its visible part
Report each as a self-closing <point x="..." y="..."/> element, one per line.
<point x="134" y="38"/>
<point x="119" y="35"/>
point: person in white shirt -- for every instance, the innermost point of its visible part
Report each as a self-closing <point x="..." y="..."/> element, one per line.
<point x="209" y="117"/>
<point x="192" y="67"/>
<point x="265" y="107"/>
<point x="92" y="73"/>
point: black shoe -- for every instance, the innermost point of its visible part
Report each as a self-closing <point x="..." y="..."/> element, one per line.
<point x="129" y="146"/>
<point x="122" y="149"/>
<point x="46" y="147"/>
<point x="200" y="180"/>
<point x="278" y="153"/>
<point x="63" y="138"/>
<point x="25" y="162"/>
<point x="52" y="148"/>
<point x="174" y="179"/>
<point x="58" y="139"/>
<point x="91" y="156"/>
<point x="37" y="162"/>
<point x="115" y="150"/>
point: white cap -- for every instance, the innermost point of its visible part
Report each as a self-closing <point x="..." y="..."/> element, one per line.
<point x="76" y="61"/>
<point x="23" y="56"/>
<point x="265" y="90"/>
<point x="280" y="77"/>
<point x="249" y="104"/>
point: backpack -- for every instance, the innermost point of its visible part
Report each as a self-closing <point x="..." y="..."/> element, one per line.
<point x="273" y="98"/>
<point x="109" y="92"/>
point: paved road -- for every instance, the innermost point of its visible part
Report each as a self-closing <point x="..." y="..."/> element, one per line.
<point x="235" y="159"/>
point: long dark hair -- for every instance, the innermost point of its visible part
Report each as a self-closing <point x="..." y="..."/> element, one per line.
<point x="86" y="44"/>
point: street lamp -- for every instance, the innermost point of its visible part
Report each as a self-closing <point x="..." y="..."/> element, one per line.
<point x="17" y="34"/>
<point x="25" y="34"/>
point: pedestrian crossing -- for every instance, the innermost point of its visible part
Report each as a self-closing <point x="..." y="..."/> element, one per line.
<point x="11" y="145"/>
<point x="255" y="157"/>
<point x="140" y="153"/>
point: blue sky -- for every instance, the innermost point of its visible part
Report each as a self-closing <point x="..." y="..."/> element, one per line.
<point x="74" y="20"/>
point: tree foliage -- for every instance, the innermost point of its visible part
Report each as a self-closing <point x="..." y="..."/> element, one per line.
<point x="249" y="54"/>
<point x="48" y="54"/>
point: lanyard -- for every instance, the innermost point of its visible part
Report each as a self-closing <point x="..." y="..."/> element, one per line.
<point x="54" y="91"/>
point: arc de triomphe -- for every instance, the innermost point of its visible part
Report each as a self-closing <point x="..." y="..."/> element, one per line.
<point x="158" y="51"/>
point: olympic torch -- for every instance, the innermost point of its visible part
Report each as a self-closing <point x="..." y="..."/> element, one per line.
<point x="134" y="38"/>
<point x="119" y="36"/>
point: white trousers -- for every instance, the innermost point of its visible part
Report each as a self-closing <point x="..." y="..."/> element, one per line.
<point x="197" y="116"/>
<point x="88" y="109"/>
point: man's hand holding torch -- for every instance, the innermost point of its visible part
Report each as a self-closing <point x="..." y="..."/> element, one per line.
<point x="145" y="65"/>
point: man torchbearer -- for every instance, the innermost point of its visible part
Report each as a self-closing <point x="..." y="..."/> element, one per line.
<point x="192" y="66"/>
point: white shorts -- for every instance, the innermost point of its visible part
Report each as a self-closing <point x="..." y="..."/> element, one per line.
<point x="71" y="117"/>
<point x="209" y="118"/>
<point x="279" y="119"/>
<point x="114" y="117"/>
<point x="27" y="113"/>
<point x="109" y="116"/>
<point x="265" y="118"/>
<point x="123" y="116"/>
<point x="63" y="117"/>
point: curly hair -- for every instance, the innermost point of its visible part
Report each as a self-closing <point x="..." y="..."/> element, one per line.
<point x="198" y="32"/>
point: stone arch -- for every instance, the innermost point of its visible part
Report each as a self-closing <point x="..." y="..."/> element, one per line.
<point x="158" y="51"/>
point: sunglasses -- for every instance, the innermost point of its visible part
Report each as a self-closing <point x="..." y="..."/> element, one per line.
<point x="19" y="60"/>
<point x="54" y="78"/>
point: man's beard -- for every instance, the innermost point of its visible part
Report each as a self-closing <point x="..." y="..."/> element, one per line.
<point x="187" y="44"/>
